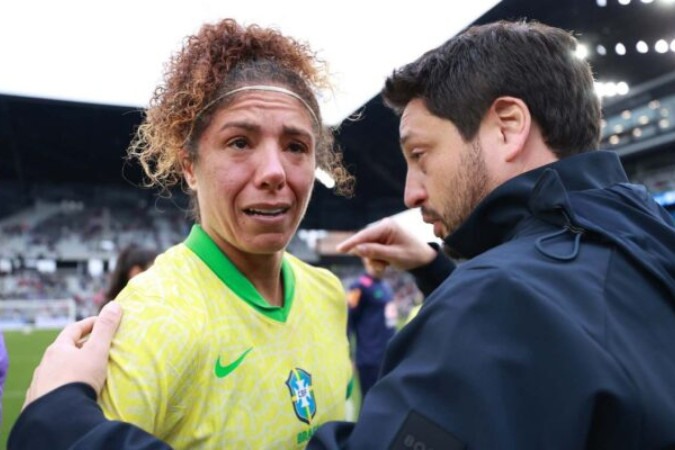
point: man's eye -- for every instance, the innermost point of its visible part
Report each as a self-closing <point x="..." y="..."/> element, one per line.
<point x="416" y="155"/>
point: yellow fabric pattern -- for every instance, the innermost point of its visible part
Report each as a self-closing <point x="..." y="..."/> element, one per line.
<point x="198" y="367"/>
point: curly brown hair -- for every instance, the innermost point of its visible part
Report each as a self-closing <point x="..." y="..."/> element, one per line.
<point x="219" y="58"/>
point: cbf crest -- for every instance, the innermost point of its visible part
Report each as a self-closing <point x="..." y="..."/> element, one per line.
<point x="299" y="384"/>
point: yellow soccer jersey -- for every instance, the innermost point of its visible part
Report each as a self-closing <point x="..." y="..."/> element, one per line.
<point x="202" y="361"/>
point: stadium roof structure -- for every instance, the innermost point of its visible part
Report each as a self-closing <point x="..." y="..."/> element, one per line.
<point x="47" y="140"/>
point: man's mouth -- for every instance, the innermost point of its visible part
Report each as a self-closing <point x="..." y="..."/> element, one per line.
<point x="427" y="215"/>
<point x="427" y="218"/>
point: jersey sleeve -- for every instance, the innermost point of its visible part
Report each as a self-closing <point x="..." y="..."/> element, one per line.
<point x="153" y="354"/>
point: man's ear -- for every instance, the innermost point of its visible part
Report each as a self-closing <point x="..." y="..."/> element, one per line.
<point x="513" y="121"/>
<point x="187" y="166"/>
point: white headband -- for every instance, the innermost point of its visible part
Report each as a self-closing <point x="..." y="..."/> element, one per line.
<point x="260" y="87"/>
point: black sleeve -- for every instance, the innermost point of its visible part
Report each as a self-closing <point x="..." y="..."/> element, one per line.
<point x="430" y="276"/>
<point x="70" y="418"/>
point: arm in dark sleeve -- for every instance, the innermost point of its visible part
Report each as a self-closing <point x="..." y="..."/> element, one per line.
<point x="489" y="363"/>
<point x="70" y="418"/>
<point x="430" y="276"/>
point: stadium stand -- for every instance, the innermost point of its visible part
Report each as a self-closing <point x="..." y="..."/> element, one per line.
<point x="66" y="209"/>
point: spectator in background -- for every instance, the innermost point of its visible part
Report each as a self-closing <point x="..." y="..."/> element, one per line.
<point x="369" y="298"/>
<point x="131" y="260"/>
<point x="4" y="366"/>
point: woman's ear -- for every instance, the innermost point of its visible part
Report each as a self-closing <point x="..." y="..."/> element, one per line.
<point x="513" y="121"/>
<point x="187" y="166"/>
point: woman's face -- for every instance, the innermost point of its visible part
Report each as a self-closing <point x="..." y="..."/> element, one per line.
<point x="254" y="172"/>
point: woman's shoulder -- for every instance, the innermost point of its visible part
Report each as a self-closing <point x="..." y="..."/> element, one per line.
<point x="306" y="272"/>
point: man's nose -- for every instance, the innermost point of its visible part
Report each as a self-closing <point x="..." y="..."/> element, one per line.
<point x="415" y="194"/>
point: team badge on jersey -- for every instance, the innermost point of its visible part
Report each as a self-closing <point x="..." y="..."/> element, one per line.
<point x="299" y="384"/>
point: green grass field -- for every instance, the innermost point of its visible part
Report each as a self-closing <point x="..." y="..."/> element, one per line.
<point x="25" y="351"/>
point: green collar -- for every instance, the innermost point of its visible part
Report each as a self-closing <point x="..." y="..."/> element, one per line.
<point x="207" y="250"/>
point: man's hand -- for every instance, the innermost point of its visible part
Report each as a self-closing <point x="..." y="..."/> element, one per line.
<point x="71" y="358"/>
<point x="387" y="241"/>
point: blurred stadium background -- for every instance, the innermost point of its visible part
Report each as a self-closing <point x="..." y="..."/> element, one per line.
<point x="68" y="203"/>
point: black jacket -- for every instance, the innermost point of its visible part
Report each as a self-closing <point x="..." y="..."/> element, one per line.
<point x="555" y="334"/>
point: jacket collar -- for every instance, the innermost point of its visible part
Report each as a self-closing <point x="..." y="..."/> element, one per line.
<point x="541" y="192"/>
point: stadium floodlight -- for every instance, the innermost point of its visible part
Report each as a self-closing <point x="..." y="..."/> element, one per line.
<point x="581" y="52"/>
<point x="325" y="178"/>
<point x="661" y="46"/>
<point x="622" y="88"/>
<point x="620" y="49"/>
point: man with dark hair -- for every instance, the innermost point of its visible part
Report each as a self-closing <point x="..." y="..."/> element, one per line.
<point x="557" y="331"/>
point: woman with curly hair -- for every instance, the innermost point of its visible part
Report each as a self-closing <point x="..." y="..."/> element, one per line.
<point x="228" y="341"/>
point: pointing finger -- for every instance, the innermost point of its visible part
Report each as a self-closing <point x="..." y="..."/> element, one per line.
<point x="375" y="233"/>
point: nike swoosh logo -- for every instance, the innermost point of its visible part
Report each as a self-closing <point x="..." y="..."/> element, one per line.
<point x="223" y="371"/>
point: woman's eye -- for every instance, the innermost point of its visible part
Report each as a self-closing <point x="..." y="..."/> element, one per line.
<point x="297" y="147"/>
<point x="238" y="143"/>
